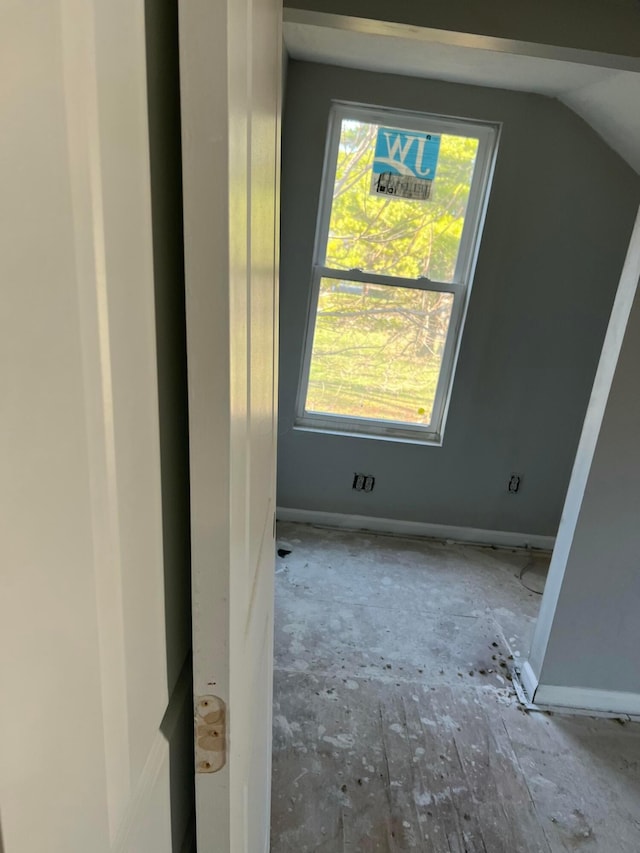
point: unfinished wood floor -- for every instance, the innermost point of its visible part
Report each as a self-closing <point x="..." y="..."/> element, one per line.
<point x="396" y="727"/>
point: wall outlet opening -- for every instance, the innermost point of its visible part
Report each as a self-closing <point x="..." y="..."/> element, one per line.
<point x="363" y="482"/>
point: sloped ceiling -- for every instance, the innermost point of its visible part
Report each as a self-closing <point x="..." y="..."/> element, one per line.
<point x="600" y="88"/>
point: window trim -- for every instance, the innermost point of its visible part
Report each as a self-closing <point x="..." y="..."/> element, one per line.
<point x="487" y="134"/>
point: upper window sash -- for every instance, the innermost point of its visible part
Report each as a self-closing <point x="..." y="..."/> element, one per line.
<point x="484" y="133"/>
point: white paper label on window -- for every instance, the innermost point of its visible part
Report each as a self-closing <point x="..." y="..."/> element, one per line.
<point x="400" y="186"/>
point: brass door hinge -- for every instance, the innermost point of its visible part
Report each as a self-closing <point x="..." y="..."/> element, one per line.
<point x="210" y="734"/>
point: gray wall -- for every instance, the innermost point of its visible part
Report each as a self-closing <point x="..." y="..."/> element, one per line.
<point x="612" y="27"/>
<point x="561" y="211"/>
<point x="588" y="634"/>
<point x="163" y="85"/>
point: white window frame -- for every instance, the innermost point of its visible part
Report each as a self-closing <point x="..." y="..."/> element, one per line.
<point x="487" y="134"/>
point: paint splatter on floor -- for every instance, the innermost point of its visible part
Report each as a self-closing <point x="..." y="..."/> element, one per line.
<point x="395" y="724"/>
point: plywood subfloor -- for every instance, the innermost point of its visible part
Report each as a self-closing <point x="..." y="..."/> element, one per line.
<point x="395" y="724"/>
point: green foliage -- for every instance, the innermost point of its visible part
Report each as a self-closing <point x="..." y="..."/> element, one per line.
<point x="377" y="350"/>
<point x="398" y="236"/>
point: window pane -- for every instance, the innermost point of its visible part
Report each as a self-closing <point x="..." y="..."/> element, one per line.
<point x="392" y="235"/>
<point x="377" y="351"/>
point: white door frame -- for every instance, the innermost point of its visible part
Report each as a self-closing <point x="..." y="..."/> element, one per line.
<point x="231" y="77"/>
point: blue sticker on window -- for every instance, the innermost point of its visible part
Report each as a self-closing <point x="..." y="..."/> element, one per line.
<point x="405" y="163"/>
<point x="406" y="152"/>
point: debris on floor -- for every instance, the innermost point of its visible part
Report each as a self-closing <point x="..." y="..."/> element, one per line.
<point x="396" y="725"/>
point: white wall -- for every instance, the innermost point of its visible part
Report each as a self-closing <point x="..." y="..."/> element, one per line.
<point x="48" y="587"/>
<point x="91" y="707"/>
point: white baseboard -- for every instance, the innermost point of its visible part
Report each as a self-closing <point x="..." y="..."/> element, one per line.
<point x="586" y="699"/>
<point x="477" y="536"/>
<point x="583" y="701"/>
<point x="528" y="680"/>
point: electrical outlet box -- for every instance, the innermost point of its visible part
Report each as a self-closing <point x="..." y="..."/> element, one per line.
<point x="515" y="481"/>
<point x="363" y="482"/>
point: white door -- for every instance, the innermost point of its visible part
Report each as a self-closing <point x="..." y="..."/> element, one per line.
<point x="93" y="720"/>
<point x="230" y="56"/>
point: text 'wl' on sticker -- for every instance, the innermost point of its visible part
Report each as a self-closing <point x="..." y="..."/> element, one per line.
<point x="404" y="163"/>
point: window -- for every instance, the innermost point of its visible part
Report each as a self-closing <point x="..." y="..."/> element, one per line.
<point x="398" y="229"/>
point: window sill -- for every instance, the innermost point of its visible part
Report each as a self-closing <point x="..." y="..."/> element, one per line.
<point x="392" y="434"/>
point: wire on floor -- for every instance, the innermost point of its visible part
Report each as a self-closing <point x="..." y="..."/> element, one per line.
<point x="528" y="565"/>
